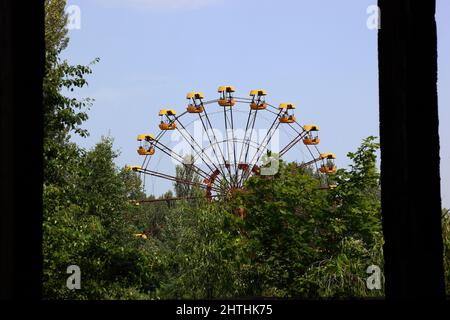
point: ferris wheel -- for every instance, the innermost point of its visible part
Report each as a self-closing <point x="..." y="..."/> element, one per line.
<point x="226" y="140"/>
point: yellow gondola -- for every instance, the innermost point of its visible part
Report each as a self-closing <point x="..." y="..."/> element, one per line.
<point x="167" y="125"/>
<point x="141" y="235"/>
<point x="311" y="137"/>
<point x="135" y="168"/>
<point x="327" y="169"/>
<point x="258" y="92"/>
<point x="169" y="112"/>
<point x="329" y="156"/>
<point x="195" y="95"/>
<point x="148" y="139"/>
<point x="146" y="152"/>
<point x="196" y="105"/>
<point x="194" y="109"/>
<point x="329" y="166"/>
<point x="258" y="102"/>
<point x="287" y="106"/>
<point x="226" y="96"/>
<point x="145" y="137"/>
<point x="287" y="117"/>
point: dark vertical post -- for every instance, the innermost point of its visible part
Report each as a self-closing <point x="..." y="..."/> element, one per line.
<point x="410" y="180"/>
<point x="21" y="72"/>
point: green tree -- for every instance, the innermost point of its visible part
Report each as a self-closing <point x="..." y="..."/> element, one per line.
<point x="62" y="159"/>
<point x="62" y="114"/>
<point x="86" y="197"/>
<point x="352" y="237"/>
<point x="281" y="225"/>
<point x="296" y="240"/>
<point x="187" y="173"/>
<point x="90" y="227"/>
<point x="356" y="201"/>
<point x="199" y="249"/>
<point x="309" y="242"/>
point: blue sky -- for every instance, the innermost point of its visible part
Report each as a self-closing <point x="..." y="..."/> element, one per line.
<point x="318" y="54"/>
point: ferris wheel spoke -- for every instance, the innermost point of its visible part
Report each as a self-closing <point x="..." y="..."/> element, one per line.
<point x="314" y="161"/>
<point x="160" y="134"/>
<point x="145" y="160"/>
<point x="234" y="145"/>
<point x="247" y="140"/>
<point x="317" y="168"/>
<point x="292" y="143"/>
<point x="179" y="116"/>
<point x="307" y="164"/>
<point x="220" y="149"/>
<point x="175" y="179"/>
<point x="228" y="164"/>
<point x="317" y="149"/>
<point x="245" y="135"/>
<point x="261" y="149"/>
<point x="194" y="149"/>
<point x="250" y="136"/>
<point x="246" y="174"/>
<point x="179" y="159"/>
<point x="199" y="154"/>
<point x="290" y="124"/>
<point x="255" y="146"/>
<point x="298" y="132"/>
<point x="264" y="143"/>
<point x="214" y="150"/>
<point x="269" y="138"/>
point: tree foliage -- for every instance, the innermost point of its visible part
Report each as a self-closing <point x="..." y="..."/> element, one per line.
<point x="85" y="196"/>
<point x="62" y="114"/>
<point x="295" y="241"/>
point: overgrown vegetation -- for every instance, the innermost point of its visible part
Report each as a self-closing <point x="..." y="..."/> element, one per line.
<point x="295" y="240"/>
